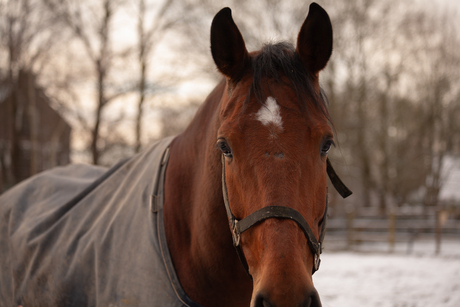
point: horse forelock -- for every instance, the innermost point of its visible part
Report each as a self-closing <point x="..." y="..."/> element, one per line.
<point x="278" y="63"/>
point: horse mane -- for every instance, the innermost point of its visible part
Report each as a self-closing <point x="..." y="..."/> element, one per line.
<point x="280" y="63"/>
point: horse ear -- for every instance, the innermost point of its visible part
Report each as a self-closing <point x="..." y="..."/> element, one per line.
<point x="227" y="45"/>
<point x="314" y="43"/>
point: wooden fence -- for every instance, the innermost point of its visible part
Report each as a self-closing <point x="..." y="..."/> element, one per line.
<point x="356" y="230"/>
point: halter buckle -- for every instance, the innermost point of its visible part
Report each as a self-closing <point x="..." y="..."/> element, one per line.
<point x="236" y="234"/>
<point x="316" y="262"/>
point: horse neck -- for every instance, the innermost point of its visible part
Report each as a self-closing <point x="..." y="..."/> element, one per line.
<point x="196" y="224"/>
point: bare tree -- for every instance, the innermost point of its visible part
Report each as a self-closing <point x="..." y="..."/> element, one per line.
<point x="148" y="39"/>
<point x="92" y="25"/>
<point x="437" y="85"/>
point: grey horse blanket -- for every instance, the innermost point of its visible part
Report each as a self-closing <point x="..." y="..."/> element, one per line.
<point x="87" y="236"/>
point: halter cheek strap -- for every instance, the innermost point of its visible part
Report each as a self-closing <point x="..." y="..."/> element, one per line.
<point x="336" y="182"/>
<point x="282" y="212"/>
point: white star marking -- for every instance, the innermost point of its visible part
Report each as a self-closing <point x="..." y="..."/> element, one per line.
<point x="270" y="113"/>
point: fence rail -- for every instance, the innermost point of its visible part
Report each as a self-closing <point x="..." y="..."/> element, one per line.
<point x="392" y="229"/>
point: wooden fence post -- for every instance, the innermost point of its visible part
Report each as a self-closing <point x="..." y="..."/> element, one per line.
<point x="441" y="218"/>
<point x="350" y="217"/>
<point x="391" y="231"/>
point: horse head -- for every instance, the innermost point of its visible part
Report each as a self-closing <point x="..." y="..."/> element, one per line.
<point x="255" y="158"/>
<point x="274" y="135"/>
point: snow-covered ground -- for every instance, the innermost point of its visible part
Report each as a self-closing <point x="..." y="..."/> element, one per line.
<point x="382" y="279"/>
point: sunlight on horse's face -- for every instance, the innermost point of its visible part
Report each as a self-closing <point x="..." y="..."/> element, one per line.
<point x="277" y="160"/>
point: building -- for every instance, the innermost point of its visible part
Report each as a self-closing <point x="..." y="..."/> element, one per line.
<point x="33" y="136"/>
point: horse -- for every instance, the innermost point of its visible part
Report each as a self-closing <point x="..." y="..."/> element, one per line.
<point x="231" y="212"/>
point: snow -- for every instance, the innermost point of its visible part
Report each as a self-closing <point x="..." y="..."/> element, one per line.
<point x="451" y="178"/>
<point x="382" y="279"/>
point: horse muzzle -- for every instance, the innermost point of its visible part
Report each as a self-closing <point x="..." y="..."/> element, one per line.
<point x="311" y="299"/>
<point x="282" y="269"/>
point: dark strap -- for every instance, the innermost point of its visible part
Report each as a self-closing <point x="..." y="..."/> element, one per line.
<point x="336" y="182"/>
<point x="282" y="213"/>
<point x="240" y="226"/>
<point x="322" y="232"/>
<point x="233" y="221"/>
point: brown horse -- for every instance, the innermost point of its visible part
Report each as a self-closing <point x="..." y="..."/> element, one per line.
<point x="269" y="121"/>
<point x="154" y="229"/>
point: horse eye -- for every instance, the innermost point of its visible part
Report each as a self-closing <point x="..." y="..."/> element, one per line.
<point x="226" y="150"/>
<point x="326" y="147"/>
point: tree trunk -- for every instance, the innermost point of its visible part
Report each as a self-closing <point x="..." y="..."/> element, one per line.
<point x="140" y="109"/>
<point x="363" y="146"/>
<point x="33" y="123"/>
<point x="384" y="190"/>
<point x="95" y="151"/>
<point x="102" y="64"/>
<point x="143" y="64"/>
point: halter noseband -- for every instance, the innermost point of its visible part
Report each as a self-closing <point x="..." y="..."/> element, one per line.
<point x="281" y="212"/>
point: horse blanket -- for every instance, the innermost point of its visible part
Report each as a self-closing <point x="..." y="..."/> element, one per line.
<point x="83" y="235"/>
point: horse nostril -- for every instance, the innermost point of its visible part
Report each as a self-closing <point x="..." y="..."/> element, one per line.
<point x="312" y="300"/>
<point x="262" y="301"/>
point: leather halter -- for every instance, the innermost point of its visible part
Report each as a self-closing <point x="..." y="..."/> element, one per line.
<point x="281" y="212"/>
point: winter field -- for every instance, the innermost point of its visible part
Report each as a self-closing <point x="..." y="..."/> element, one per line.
<point x="373" y="277"/>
